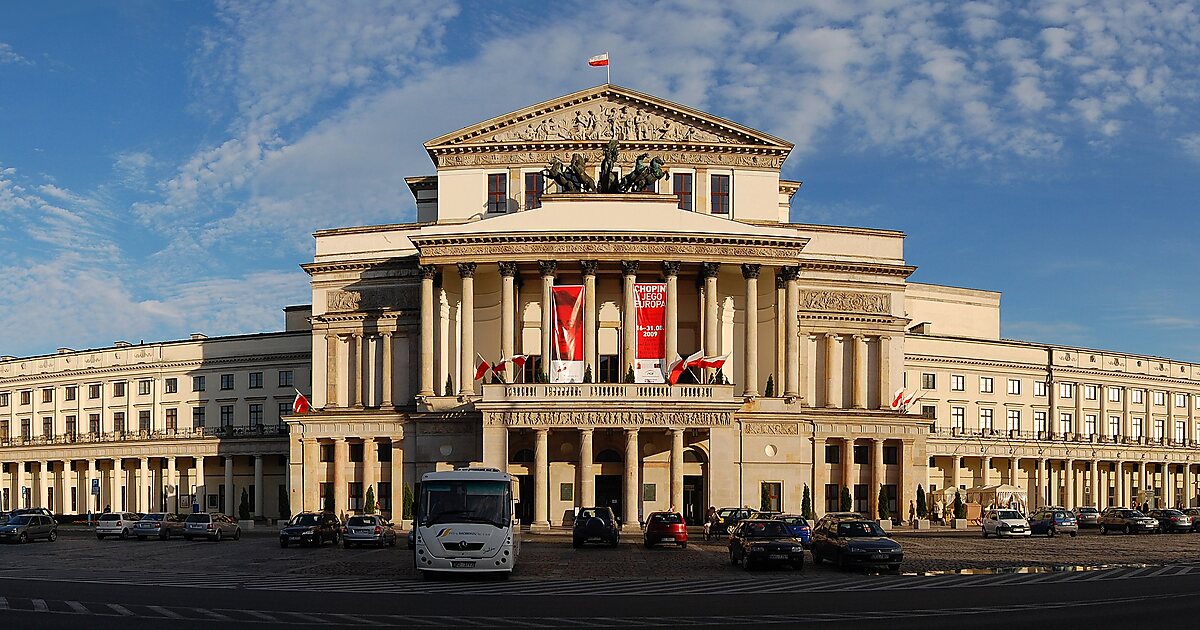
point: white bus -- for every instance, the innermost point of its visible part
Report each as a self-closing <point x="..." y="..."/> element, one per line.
<point x="466" y="522"/>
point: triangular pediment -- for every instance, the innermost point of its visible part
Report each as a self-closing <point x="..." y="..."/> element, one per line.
<point x="595" y="116"/>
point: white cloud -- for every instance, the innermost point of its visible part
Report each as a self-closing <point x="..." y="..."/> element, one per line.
<point x="1190" y="144"/>
<point x="8" y="55"/>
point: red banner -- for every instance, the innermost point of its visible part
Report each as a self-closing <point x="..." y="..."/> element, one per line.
<point x="566" y="364"/>
<point x="649" y="304"/>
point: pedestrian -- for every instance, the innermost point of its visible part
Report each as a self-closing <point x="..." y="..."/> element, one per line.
<point x="710" y="521"/>
<point x="107" y="509"/>
<point x="912" y="512"/>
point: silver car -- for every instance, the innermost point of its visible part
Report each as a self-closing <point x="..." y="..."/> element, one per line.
<point x="119" y="524"/>
<point x="162" y="525"/>
<point x="29" y="527"/>
<point x="213" y="526"/>
<point x="368" y="530"/>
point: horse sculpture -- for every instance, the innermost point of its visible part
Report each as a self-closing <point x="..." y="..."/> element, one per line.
<point x="609" y="181"/>
<point x="643" y="176"/>
<point x="574" y="177"/>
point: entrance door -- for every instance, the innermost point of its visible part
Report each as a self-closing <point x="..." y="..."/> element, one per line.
<point x="525" y="505"/>
<point x="693" y="499"/>
<point x="608" y="492"/>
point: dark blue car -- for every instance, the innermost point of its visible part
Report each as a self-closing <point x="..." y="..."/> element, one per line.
<point x="798" y="527"/>
<point x="1053" y="521"/>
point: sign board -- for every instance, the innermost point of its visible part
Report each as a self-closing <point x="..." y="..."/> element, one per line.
<point x="566" y="362"/>
<point x="649" y="304"/>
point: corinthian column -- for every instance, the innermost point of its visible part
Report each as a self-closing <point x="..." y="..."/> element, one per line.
<point x="792" y="331"/>
<point x="588" y="268"/>
<point x="632" y="503"/>
<point x="547" y="268"/>
<point x="541" y="482"/>
<point x="386" y="340"/>
<point x="355" y="385"/>
<point x="750" y="343"/>
<point x="860" y="372"/>
<point x="508" y="271"/>
<point x="671" y="312"/>
<point x="428" y="272"/>
<point x="712" y="324"/>
<point x="629" y="269"/>
<point x="466" y="271"/>
<point x="677" y="470"/>
<point x="331" y="369"/>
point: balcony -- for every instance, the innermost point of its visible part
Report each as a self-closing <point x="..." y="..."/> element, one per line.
<point x="607" y="392"/>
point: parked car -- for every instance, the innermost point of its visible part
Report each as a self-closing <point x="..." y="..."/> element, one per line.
<point x="38" y="510"/>
<point x="798" y="527"/>
<point x="1195" y="514"/>
<point x="1087" y="517"/>
<point x="162" y="525"/>
<point x="595" y="525"/>
<point x="727" y="518"/>
<point x="214" y="526"/>
<point x="25" y="528"/>
<point x="849" y="542"/>
<point x="1004" y="522"/>
<point x="761" y="541"/>
<point x="1171" y="521"/>
<point x="1126" y="520"/>
<point x="368" y="530"/>
<point x="311" y="528"/>
<point x="1052" y="522"/>
<point x="119" y="524"/>
<point x="665" y="527"/>
<point x="830" y="517"/>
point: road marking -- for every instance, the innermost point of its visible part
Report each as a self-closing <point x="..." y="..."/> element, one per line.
<point x="304" y="616"/>
<point x="261" y="615"/>
<point x="79" y="608"/>
<point x="121" y="610"/>
<point x="166" y="612"/>
<point x="3" y="603"/>
<point x="214" y="614"/>
<point x="39" y="605"/>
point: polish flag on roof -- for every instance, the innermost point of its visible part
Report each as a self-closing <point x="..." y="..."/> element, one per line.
<point x="598" y="60"/>
<point x="482" y="368"/>
<point x="714" y="363"/>
<point x="300" y="404"/>
<point x="679" y="365"/>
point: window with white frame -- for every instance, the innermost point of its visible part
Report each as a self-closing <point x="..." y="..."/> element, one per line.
<point x="1039" y="388"/>
<point x="1089" y="424"/>
<point x="1180" y="431"/>
<point x="986" y="385"/>
<point x="1114" y="426"/>
<point x="1014" y="386"/>
<point x="1039" y="421"/>
<point x="1160" y="398"/>
<point x="986" y="420"/>
<point x="1014" y="419"/>
<point x="1066" y="390"/>
<point x="1135" y="428"/>
<point x="1114" y="394"/>
<point x="958" y="383"/>
<point x="1137" y="396"/>
<point x="1066" y="423"/>
<point x="1089" y="392"/>
<point x="1181" y="401"/>
<point x="958" y="418"/>
<point x="1158" y="429"/>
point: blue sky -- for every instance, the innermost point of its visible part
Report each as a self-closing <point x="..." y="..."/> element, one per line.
<point x="163" y="164"/>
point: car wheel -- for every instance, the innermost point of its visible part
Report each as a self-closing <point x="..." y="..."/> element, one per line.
<point x="840" y="560"/>
<point x="187" y="538"/>
<point x="1103" y="530"/>
<point x="895" y="568"/>
<point x="747" y="564"/>
<point x="165" y="535"/>
<point x="283" y="543"/>
<point x="816" y="556"/>
<point x="616" y="542"/>
<point x="576" y="544"/>
<point x="985" y="534"/>
<point x="124" y="534"/>
<point x="218" y="537"/>
<point x="683" y="545"/>
<point x="52" y="536"/>
<point x="647" y="543"/>
<point x="24" y="538"/>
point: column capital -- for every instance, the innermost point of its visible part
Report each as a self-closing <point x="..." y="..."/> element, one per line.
<point x="587" y="430"/>
<point x="885" y="337"/>
<point x="508" y="268"/>
<point x="547" y="268"/>
<point x="631" y="431"/>
<point x="357" y="334"/>
<point x="466" y="269"/>
<point x="710" y="269"/>
<point x="859" y="337"/>
<point x="428" y="272"/>
<point x="750" y="271"/>
<point x="588" y="267"/>
<point x="387" y="334"/>
<point x="780" y="282"/>
<point x="829" y="335"/>
<point x="790" y="273"/>
<point x="629" y="267"/>
<point x="541" y="430"/>
<point x="670" y="268"/>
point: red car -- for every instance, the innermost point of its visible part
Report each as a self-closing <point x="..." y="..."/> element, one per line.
<point x="666" y="527"/>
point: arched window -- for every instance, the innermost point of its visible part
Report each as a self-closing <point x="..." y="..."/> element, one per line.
<point x="523" y="456"/>
<point x="692" y="456"/>
<point x="608" y="455"/>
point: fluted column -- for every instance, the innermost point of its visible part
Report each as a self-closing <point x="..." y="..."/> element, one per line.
<point x="848" y="476"/>
<point x="341" y="460"/>
<point x="791" y="332"/>
<point x="590" y="359"/>
<point x="1190" y="438"/>
<point x="508" y="334"/>
<point x="860" y="372"/>
<point x="547" y="268"/>
<point x="671" y="313"/>
<point x="231" y="500"/>
<point x="1014" y="470"/>
<point x="1041" y="483"/>
<point x="587" y="473"/>
<point x="750" y="342"/>
<point x="331" y="370"/>
<point x="1078" y="410"/>
<point x="820" y="475"/>
<point x="885" y="372"/>
<point x="354" y="382"/>
<point x="779" y="374"/>
<point x="1069" y="471"/>
<point x="151" y="498"/>
<point x="985" y="469"/>
<point x="831" y="371"/>
<point x="1143" y="479"/>
<point x="201" y="492"/>
<point x="466" y="271"/>
<point x="541" y="481"/>
<point x="428" y="272"/>
<point x="955" y="468"/>
<point x="1094" y="483"/>
<point x="89" y="473"/>
<point x="310" y="450"/>
<point x="632" y="502"/>
<point x="366" y="359"/>
<point x="712" y="324"/>
<point x="398" y="479"/>
<point x="1189" y="492"/>
<point x="386" y="394"/>
<point x="878" y="476"/>
<point x="370" y="463"/>
<point x="1122" y="493"/>
<point x="258" y="486"/>
<point x="629" y="269"/>
<point x="677" y="470"/>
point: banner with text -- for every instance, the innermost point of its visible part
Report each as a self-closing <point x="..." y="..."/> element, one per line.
<point x="566" y="359"/>
<point x="649" y="304"/>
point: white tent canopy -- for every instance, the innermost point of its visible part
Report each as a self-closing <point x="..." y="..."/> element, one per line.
<point x="1000" y="495"/>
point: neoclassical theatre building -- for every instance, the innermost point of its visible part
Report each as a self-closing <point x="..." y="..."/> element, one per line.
<point x="819" y="327"/>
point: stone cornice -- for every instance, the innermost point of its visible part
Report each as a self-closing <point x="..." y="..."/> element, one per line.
<point x="405" y="266"/>
<point x="900" y="271"/>
<point x="147" y="369"/>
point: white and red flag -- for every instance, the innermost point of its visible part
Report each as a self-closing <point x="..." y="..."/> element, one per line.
<point x="517" y="360"/>
<point x="679" y="365"/>
<point x="715" y="363"/>
<point x="913" y="397"/>
<point x="300" y="404"/>
<point x="898" y="398"/>
<point x="482" y="369"/>
<point x="598" y="60"/>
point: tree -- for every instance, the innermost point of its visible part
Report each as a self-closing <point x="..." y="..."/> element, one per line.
<point x="370" y="506"/>
<point x="769" y="392"/>
<point x="629" y="378"/>
<point x="884" y="513"/>
<point x="244" y="506"/>
<point x="960" y="508"/>
<point x="449" y="391"/>
<point x="921" y="509"/>
<point x="408" y="502"/>
<point x="285" y="508"/>
<point x="847" y="502"/>
<point x="587" y="374"/>
<point x="806" y="510"/>
<point x="764" y="499"/>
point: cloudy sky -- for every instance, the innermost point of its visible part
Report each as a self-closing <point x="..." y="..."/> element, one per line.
<point x="163" y="164"/>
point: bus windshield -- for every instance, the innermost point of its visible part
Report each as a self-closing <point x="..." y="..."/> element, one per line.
<point x="457" y="501"/>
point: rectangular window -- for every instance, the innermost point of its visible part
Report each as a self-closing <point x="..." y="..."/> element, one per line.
<point x="771" y="496"/>
<point x="72" y="427"/>
<point x="1114" y="426"/>
<point x="1158" y="429"/>
<point x="533" y="366"/>
<point x="929" y="412"/>
<point x="649" y="492"/>
<point x="256" y="414"/>
<point x="256" y="380"/>
<point x="198" y="417"/>
<point x="891" y="455"/>
<point x="958" y="418"/>
<point x="172" y="419"/>
<point x="226" y="381"/>
<point x="535" y="187"/>
<point x="48" y="395"/>
<point x="1160" y="398"/>
<point x="1135" y="429"/>
<point x="226" y="415"/>
<point x="285" y="408"/>
<point x="355" y="494"/>
<point x="1066" y="423"/>
<point x="1181" y="401"/>
<point x="26" y="431"/>
<point x="286" y="378"/>
<point x="497" y="192"/>
<point x="144" y="420"/>
<point x="119" y="422"/>
<point x="27" y="397"/>
<point x="1014" y="387"/>
<point x="1089" y="392"/>
<point x="326" y="491"/>
<point x="610" y="369"/>
<point x="833" y="454"/>
<point x="93" y="392"/>
<point x="958" y="383"/>
<point x="1114" y="394"/>
<point x="832" y="497"/>
<point x="1014" y="419"/>
<point x="1137" y="396"/>
<point x="986" y="421"/>
<point x="384" y="497"/>
<point x="1039" y="388"/>
<point x="72" y="392"/>
<point x="4" y="399"/>
<point x="929" y="381"/>
<point x="986" y="385"/>
<point x="383" y="451"/>
<point x="861" y="497"/>
<point x="682" y="184"/>
<point x="48" y="427"/>
<point x="1039" y="422"/>
<point x="144" y="388"/>
<point x="326" y="453"/>
<point x="94" y="423"/>
<point x="1066" y="390"/>
<point x="1180" y="431"/>
<point x="197" y="383"/>
<point x="862" y="454"/>
<point x="1089" y="424"/>
<point x="119" y="390"/>
<point x="719" y="193"/>
<point x="355" y="453"/>
<point x="170" y="385"/>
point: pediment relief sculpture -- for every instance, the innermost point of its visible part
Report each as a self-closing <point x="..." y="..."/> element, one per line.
<point x="610" y="121"/>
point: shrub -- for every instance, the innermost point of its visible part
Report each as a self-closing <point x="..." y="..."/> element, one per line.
<point x="369" y="507"/>
<point x="847" y="501"/>
<point x="769" y="392"/>
<point x="806" y="504"/>
<point x="409" y="502"/>
<point x="587" y="374"/>
<point x="921" y="509"/>
<point x="960" y="508"/>
<point x="884" y="513"/>
<point x="449" y="391"/>
<point x="244" y="506"/>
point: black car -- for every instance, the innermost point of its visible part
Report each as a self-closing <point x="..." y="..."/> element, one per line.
<point x="595" y="525"/>
<point x="311" y="528"/>
<point x="855" y="542"/>
<point x="726" y="519"/>
<point x="755" y="542"/>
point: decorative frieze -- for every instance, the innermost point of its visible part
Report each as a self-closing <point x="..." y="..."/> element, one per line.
<point x="607" y="418"/>
<point x="697" y="158"/>
<point x="846" y="301"/>
<point x="370" y="299"/>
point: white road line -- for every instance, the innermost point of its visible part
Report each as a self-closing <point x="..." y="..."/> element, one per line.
<point x="120" y="610"/>
<point x="304" y="616"/>
<point x="3" y="603"/>
<point x="214" y="614"/>
<point x="261" y="615"/>
<point x="166" y="612"/>
<point x="353" y="619"/>
<point x="39" y="605"/>
<point x="79" y="608"/>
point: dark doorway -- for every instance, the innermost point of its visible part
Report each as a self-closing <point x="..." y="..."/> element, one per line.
<point x="608" y="493"/>
<point x="693" y="499"/>
<point x="525" y="505"/>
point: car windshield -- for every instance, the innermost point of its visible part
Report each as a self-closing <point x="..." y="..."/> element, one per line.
<point x="673" y="519"/>
<point x="199" y="518"/>
<point x="793" y="520"/>
<point x="1133" y="514"/>
<point x="764" y="529"/>
<point x="600" y="514"/>
<point x="1063" y="515"/>
<point x="21" y="519"/>
<point x="154" y="517"/>
<point x="1088" y="510"/>
<point x="859" y="529"/>
<point x="727" y="512"/>
<point x="304" y="520"/>
<point x="1008" y="514"/>
<point x="361" y="520"/>
<point x="110" y="517"/>
<point x="466" y="501"/>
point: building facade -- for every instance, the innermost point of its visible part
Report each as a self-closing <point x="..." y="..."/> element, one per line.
<point x="821" y="326"/>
